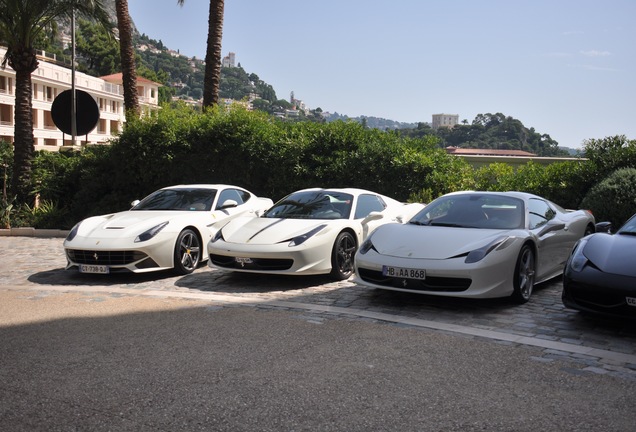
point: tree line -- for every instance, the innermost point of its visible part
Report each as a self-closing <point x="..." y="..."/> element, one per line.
<point x="491" y="131"/>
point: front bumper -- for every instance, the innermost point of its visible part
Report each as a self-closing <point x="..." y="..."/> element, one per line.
<point x="122" y="255"/>
<point x="275" y="259"/>
<point x="591" y="290"/>
<point x="489" y="278"/>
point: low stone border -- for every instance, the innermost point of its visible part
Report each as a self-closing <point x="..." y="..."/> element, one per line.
<point x="32" y="232"/>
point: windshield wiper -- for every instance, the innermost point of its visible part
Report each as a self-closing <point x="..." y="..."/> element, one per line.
<point x="415" y="222"/>
<point x="446" y="224"/>
<point x="629" y="233"/>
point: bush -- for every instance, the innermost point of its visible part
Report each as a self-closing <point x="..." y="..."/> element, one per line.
<point x="251" y="149"/>
<point x="180" y="145"/>
<point x="610" y="154"/>
<point x="47" y="215"/>
<point x="613" y="199"/>
<point x="566" y="183"/>
<point x="494" y="177"/>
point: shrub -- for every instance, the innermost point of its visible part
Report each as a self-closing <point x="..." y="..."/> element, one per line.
<point x="613" y="199"/>
<point x="610" y="154"/>
<point x="46" y="215"/>
<point x="566" y="183"/>
<point x="6" y="212"/>
<point x="494" y="177"/>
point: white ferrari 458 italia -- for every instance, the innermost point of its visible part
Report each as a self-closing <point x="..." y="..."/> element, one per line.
<point x="169" y="229"/>
<point x="474" y="245"/>
<point x="310" y="231"/>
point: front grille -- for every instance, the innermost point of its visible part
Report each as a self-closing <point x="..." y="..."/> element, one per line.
<point x="600" y="301"/>
<point x="264" y="264"/>
<point x="605" y="298"/>
<point x="431" y="283"/>
<point x="110" y="258"/>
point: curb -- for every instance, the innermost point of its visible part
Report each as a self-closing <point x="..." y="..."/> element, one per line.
<point x="32" y="232"/>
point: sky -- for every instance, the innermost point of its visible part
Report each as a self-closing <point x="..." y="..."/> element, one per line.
<point x="566" y="68"/>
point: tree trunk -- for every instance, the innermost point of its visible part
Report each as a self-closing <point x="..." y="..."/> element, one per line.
<point x="129" y="72"/>
<point x="24" y="63"/>
<point x="212" y="78"/>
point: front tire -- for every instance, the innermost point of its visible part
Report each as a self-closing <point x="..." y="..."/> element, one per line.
<point x="187" y="252"/>
<point x="344" y="249"/>
<point x="524" y="275"/>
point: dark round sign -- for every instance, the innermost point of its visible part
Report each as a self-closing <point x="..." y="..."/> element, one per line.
<point x="86" y="112"/>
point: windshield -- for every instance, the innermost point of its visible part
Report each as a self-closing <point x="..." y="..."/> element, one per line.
<point x="178" y="199"/>
<point x="486" y="211"/>
<point x="629" y="228"/>
<point x="312" y="205"/>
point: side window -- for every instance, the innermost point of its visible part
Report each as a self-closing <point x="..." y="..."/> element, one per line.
<point x="539" y="213"/>
<point x="245" y="196"/>
<point x="367" y="204"/>
<point x="231" y="194"/>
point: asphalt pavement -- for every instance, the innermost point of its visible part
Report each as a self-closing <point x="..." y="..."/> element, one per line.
<point x="220" y="351"/>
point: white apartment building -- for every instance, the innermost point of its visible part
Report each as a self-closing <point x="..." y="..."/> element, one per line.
<point x="445" y="120"/>
<point x="49" y="80"/>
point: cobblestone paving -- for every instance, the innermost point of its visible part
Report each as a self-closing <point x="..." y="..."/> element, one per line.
<point x="39" y="263"/>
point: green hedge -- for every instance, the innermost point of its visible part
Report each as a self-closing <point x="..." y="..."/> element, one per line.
<point x="267" y="156"/>
<point x="614" y="198"/>
<point x="273" y="158"/>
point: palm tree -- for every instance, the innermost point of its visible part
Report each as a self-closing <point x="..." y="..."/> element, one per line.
<point x="212" y="77"/>
<point x="22" y="22"/>
<point x="127" y="52"/>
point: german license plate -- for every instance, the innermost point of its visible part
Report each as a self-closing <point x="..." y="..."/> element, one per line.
<point x="631" y="301"/>
<point x="89" y="268"/>
<point x="401" y="272"/>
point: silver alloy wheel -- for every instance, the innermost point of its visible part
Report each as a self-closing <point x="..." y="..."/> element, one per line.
<point x="524" y="275"/>
<point x="187" y="252"/>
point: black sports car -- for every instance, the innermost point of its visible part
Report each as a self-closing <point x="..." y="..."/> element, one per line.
<point x="600" y="275"/>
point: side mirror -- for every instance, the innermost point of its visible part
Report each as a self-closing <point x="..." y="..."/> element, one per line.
<point x="134" y="203"/>
<point x="604" y="227"/>
<point x="552" y="225"/>
<point x="374" y="215"/>
<point x="227" y="204"/>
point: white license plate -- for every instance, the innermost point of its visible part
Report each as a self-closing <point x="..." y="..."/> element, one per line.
<point x="89" y="268"/>
<point x="631" y="301"/>
<point x="401" y="272"/>
<point x="241" y="260"/>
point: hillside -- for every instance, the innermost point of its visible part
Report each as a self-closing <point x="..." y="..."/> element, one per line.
<point x="182" y="78"/>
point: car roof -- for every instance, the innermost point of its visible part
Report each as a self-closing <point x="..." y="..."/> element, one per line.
<point x="202" y="186"/>
<point x="515" y="194"/>
<point x="351" y="191"/>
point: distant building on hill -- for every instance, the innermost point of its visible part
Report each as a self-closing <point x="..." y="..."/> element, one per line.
<point x="229" y="60"/>
<point x="445" y="120"/>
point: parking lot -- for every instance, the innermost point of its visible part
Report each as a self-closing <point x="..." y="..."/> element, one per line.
<point x="605" y="345"/>
<point x="221" y="351"/>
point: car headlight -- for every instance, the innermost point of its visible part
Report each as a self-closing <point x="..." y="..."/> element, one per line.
<point x="366" y="246"/>
<point x="479" y="254"/>
<point x="578" y="260"/>
<point x="218" y="236"/>
<point x="298" y="240"/>
<point x="73" y="232"/>
<point x="147" y="235"/>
